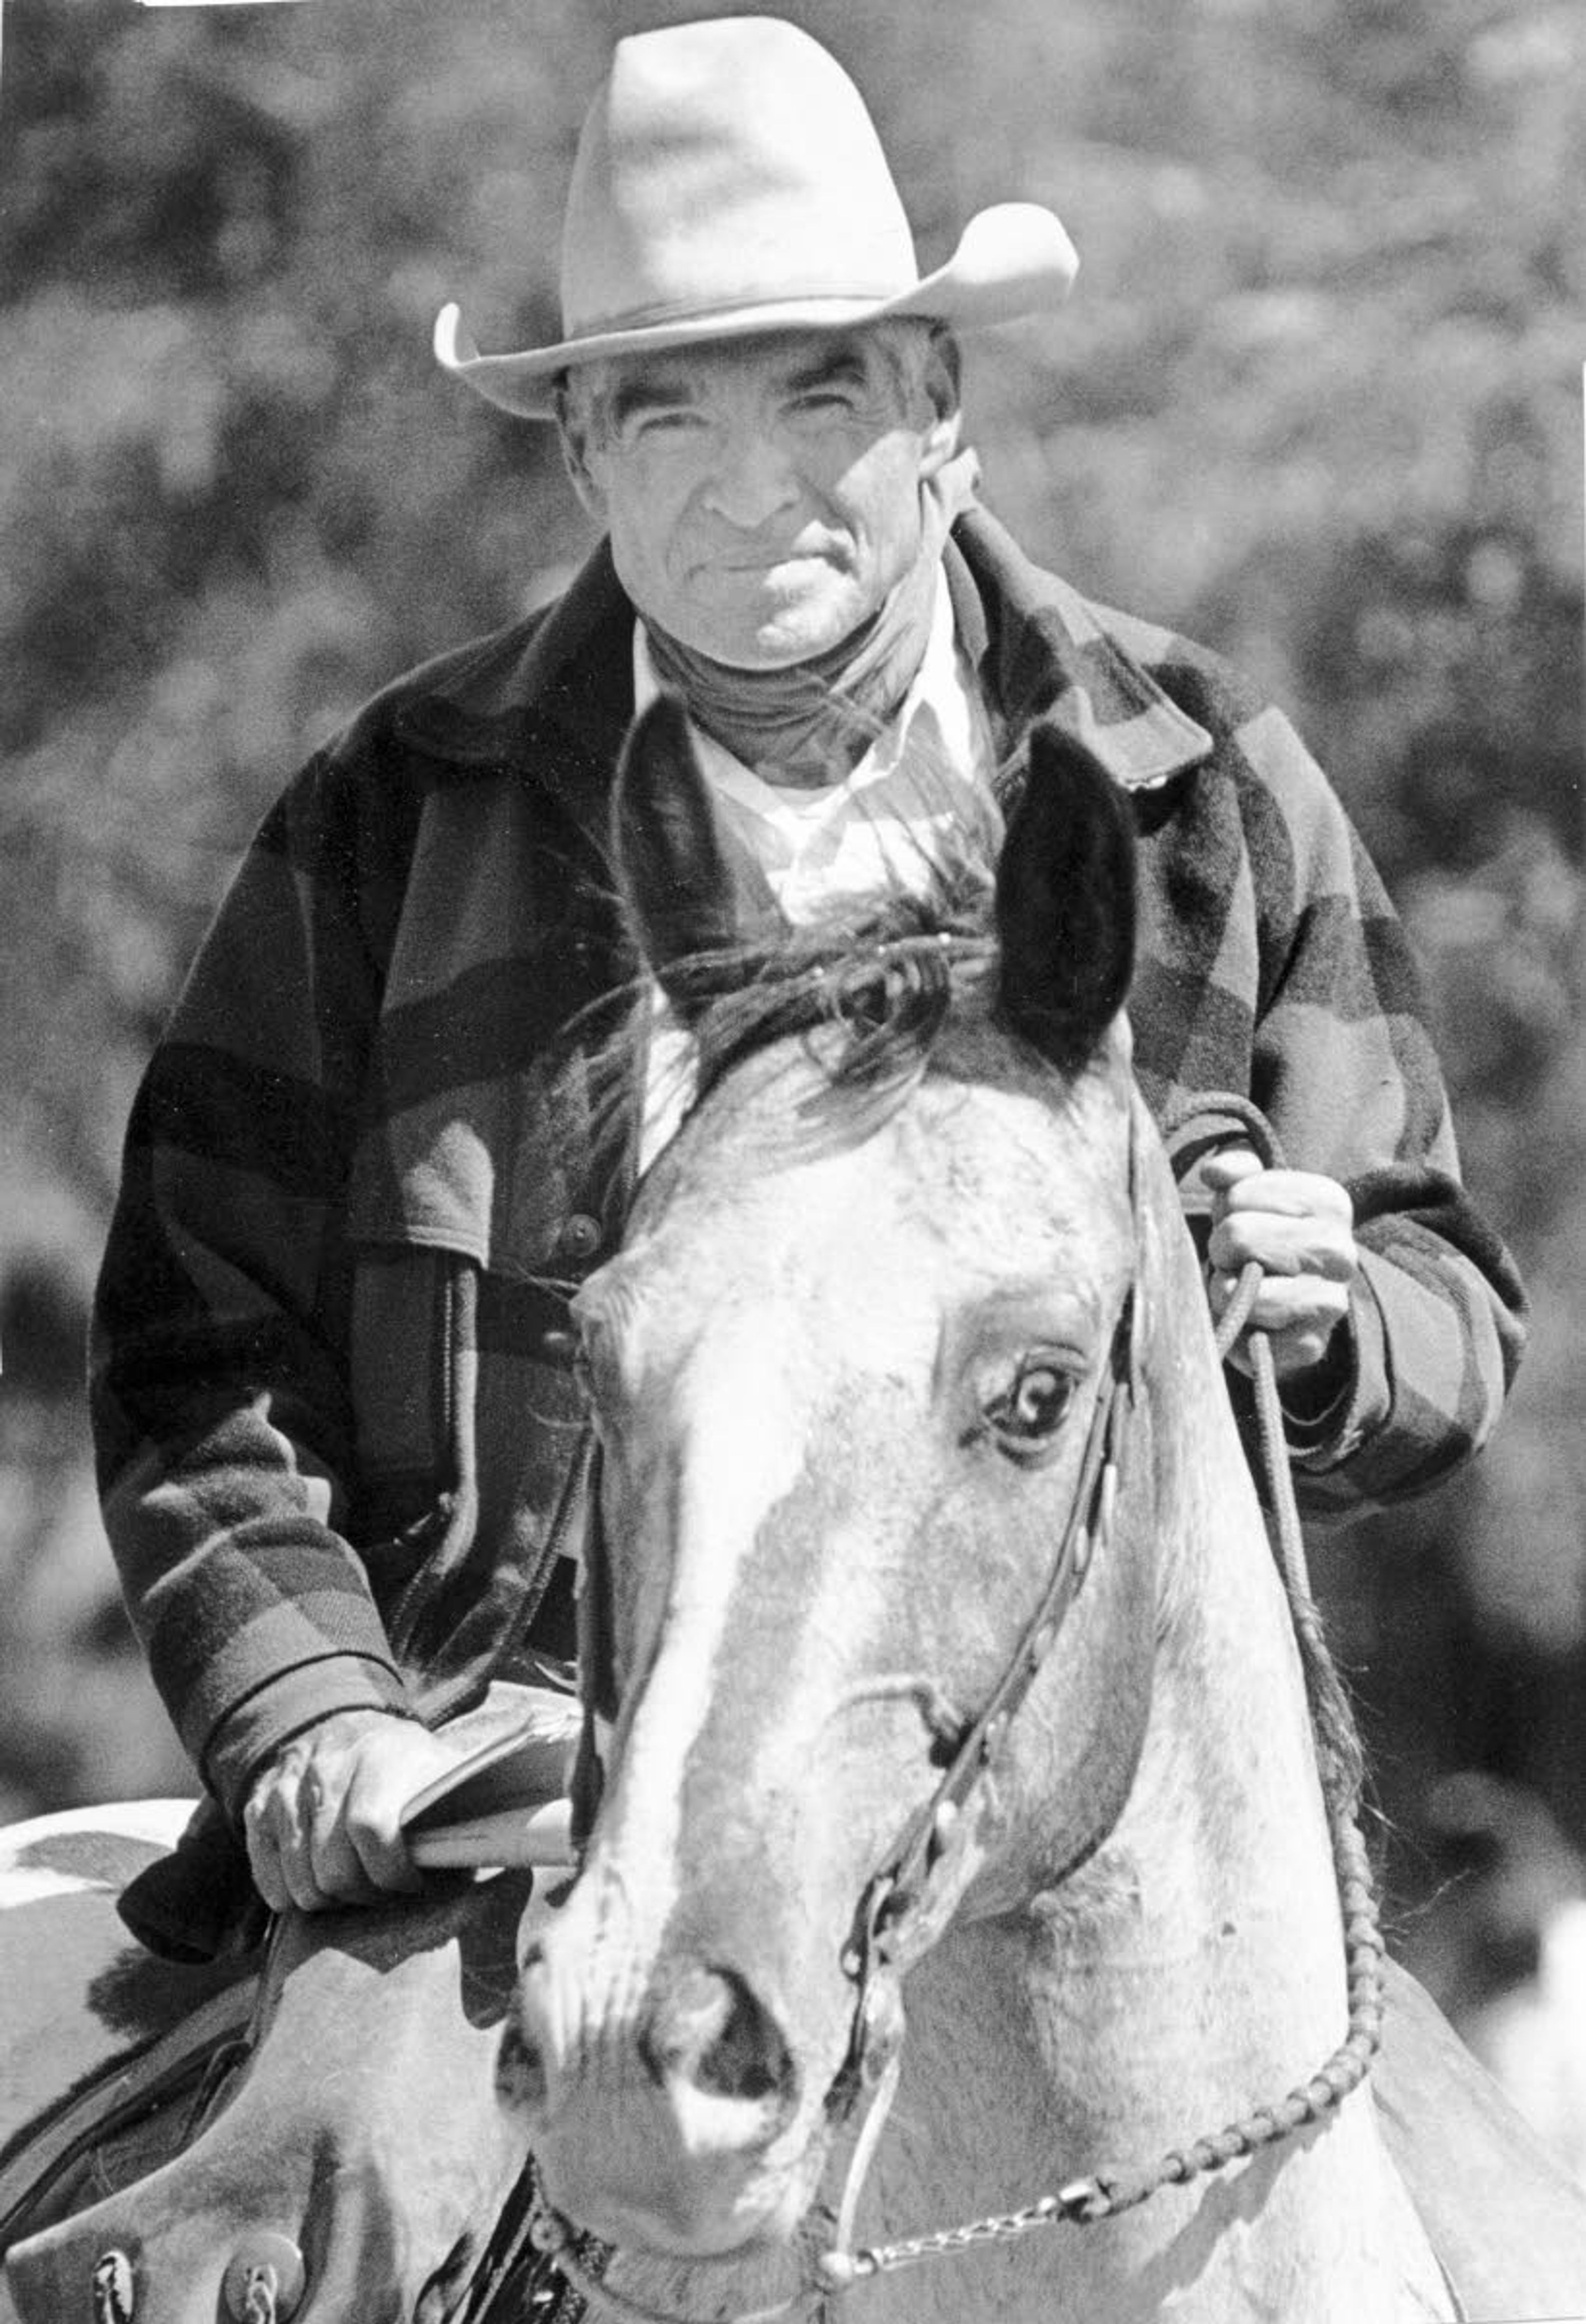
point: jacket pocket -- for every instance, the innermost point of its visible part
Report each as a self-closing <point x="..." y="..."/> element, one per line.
<point x="472" y="1223"/>
<point x="403" y="1365"/>
<point x="468" y="1425"/>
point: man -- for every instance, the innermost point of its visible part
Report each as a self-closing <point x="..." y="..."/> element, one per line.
<point x="338" y="1435"/>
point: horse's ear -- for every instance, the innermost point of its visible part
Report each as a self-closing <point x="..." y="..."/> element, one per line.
<point x="1066" y="902"/>
<point x="686" y="889"/>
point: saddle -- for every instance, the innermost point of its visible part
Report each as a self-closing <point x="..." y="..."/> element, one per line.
<point x="97" y="2036"/>
<point x="154" y="2054"/>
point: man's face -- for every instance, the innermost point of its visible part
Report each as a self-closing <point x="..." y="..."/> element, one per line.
<point x="762" y="496"/>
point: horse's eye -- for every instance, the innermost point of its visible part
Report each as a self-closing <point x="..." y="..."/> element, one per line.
<point x="1034" y="1408"/>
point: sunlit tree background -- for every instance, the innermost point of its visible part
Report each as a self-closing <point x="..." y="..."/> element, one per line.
<point x="1316" y="400"/>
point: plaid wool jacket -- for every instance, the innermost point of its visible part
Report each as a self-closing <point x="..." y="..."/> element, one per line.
<point x="333" y="1414"/>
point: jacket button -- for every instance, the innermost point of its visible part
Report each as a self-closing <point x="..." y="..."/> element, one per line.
<point x="580" y="1237"/>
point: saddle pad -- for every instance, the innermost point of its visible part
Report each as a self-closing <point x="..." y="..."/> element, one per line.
<point x="1507" y="2221"/>
<point x="77" y="1995"/>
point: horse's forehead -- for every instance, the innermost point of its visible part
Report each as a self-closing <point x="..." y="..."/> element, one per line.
<point x="805" y="1192"/>
<point x="955" y="1136"/>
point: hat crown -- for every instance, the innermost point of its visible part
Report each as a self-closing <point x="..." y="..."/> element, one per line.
<point x="726" y="165"/>
<point x="730" y="182"/>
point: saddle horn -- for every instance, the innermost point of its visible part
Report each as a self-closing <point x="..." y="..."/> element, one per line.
<point x="689" y="892"/>
<point x="1066" y="902"/>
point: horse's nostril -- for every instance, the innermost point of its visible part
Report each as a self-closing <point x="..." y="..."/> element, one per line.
<point x="708" y="2029"/>
<point x="748" y="2061"/>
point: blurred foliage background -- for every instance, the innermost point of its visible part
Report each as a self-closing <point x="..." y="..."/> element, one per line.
<point x="1316" y="400"/>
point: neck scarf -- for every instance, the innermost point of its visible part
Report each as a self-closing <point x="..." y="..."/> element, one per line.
<point x="812" y="722"/>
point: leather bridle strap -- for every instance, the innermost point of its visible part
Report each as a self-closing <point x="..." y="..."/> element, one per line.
<point x="897" y="1891"/>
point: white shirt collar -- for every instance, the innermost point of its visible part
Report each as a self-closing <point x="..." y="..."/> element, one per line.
<point x="923" y="780"/>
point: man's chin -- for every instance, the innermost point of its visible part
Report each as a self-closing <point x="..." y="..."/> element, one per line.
<point x="768" y="617"/>
<point x="787" y="634"/>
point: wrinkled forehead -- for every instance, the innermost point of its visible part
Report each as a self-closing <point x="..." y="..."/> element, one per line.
<point x="875" y="356"/>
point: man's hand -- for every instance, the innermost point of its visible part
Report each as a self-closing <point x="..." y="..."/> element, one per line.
<point x="1300" y="1228"/>
<point x="321" y="1820"/>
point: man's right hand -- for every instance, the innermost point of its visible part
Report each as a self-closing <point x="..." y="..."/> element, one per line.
<point x="322" y="1820"/>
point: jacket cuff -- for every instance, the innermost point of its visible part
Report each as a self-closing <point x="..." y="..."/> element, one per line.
<point x="255" y="1729"/>
<point x="1321" y="1440"/>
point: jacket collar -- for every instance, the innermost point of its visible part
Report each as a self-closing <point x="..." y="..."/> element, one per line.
<point x="554" y="694"/>
<point x="1044" y="652"/>
<point x="1041" y="650"/>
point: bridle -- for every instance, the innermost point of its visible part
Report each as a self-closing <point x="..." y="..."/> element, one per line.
<point x="902" y="1890"/>
<point x="899" y="1892"/>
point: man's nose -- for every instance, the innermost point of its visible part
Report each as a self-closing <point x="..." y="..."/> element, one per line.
<point x="752" y="481"/>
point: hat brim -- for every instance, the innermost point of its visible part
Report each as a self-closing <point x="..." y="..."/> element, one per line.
<point x="1013" y="260"/>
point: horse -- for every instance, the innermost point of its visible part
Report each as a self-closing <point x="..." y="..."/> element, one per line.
<point x="958" y="1924"/>
<point x="917" y="1457"/>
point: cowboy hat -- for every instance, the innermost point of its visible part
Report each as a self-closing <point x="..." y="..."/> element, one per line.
<point x="729" y="180"/>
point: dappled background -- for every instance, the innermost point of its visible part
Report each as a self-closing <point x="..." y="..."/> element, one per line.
<point x="1316" y="401"/>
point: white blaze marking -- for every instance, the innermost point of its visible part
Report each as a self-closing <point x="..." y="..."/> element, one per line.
<point x="735" y="1403"/>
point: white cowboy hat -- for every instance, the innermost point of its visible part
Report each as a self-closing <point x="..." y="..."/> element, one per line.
<point x="729" y="180"/>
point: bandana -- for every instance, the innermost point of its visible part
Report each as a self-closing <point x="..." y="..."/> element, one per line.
<point x="813" y="722"/>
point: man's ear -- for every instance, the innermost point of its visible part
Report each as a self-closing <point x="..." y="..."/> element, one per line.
<point x="573" y="435"/>
<point x="942" y="382"/>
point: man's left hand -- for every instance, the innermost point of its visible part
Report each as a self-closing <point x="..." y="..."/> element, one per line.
<point x="1299" y="1228"/>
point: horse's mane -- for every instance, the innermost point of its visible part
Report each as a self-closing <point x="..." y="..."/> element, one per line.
<point x="879" y="986"/>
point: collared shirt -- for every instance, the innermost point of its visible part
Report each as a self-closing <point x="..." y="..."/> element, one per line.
<point x="920" y="797"/>
<point x="921" y="791"/>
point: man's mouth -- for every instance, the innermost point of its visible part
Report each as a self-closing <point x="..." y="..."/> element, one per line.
<point x="773" y="563"/>
<point x="740" y="561"/>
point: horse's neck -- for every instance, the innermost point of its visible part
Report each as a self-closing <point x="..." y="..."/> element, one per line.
<point x="987" y="2121"/>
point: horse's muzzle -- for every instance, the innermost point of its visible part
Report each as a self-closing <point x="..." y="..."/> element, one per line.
<point x="660" y="2125"/>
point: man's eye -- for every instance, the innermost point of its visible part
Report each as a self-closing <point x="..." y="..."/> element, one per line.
<point x="660" y="427"/>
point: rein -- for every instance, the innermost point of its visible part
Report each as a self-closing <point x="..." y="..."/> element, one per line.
<point x="899" y="1892"/>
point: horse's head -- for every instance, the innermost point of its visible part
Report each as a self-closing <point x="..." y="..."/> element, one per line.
<point x="852" y="1372"/>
